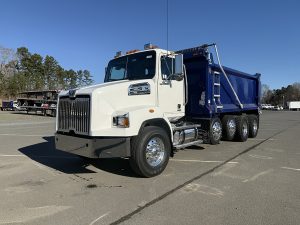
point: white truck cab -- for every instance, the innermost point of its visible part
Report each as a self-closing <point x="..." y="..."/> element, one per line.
<point x="141" y="89"/>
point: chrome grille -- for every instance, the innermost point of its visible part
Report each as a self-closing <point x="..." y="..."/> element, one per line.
<point x="74" y="114"/>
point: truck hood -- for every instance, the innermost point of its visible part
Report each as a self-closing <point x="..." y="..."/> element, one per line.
<point x="88" y="90"/>
<point x="111" y="99"/>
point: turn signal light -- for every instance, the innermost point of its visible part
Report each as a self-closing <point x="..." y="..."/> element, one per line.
<point x="121" y="121"/>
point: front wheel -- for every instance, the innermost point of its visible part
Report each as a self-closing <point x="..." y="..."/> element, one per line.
<point x="150" y="151"/>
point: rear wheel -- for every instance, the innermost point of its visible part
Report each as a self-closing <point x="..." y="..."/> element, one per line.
<point x="215" y="133"/>
<point x="241" y="128"/>
<point x="150" y="151"/>
<point x="253" y="126"/>
<point x="229" y="127"/>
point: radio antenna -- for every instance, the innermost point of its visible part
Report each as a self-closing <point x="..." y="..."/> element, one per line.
<point x="167" y="27"/>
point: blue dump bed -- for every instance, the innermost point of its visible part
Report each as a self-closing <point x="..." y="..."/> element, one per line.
<point x="209" y="91"/>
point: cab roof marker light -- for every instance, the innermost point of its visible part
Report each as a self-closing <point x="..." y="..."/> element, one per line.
<point x="118" y="54"/>
<point x="150" y="46"/>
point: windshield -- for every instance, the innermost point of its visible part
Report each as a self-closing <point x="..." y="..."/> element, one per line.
<point x="132" y="67"/>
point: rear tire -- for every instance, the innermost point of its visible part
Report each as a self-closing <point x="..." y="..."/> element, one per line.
<point x="253" y="126"/>
<point x="229" y="127"/>
<point x="150" y="151"/>
<point x="242" y="130"/>
<point x="215" y="131"/>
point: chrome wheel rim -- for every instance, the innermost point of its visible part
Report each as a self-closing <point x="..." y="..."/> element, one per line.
<point x="217" y="130"/>
<point x="231" y="127"/>
<point x="245" y="129"/>
<point x="155" y="151"/>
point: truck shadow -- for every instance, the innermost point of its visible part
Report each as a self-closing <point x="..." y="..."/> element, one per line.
<point x="46" y="154"/>
<point x="195" y="147"/>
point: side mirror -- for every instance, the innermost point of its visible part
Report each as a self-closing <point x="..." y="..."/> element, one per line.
<point x="178" y="70"/>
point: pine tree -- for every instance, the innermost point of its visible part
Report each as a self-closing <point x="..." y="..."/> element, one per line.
<point x="87" y="78"/>
<point x="51" y="73"/>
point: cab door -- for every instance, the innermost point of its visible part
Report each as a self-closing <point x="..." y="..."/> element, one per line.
<point x="171" y="97"/>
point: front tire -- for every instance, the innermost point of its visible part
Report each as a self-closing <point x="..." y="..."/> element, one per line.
<point x="150" y="151"/>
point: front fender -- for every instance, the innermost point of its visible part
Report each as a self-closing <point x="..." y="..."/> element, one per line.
<point x="137" y="117"/>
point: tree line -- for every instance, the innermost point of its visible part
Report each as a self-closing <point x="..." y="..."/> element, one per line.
<point x="22" y="70"/>
<point x="280" y="96"/>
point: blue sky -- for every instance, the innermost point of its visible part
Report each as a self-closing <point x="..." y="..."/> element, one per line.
<point x="253" y="36"/>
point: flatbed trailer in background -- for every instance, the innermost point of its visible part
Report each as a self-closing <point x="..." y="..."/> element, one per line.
<point x="43" y="102"/>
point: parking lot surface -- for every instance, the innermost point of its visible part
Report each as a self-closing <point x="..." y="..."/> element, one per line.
<point x="255" y="182"/>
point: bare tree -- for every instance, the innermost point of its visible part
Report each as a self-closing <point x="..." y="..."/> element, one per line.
<point x="266" y="93"/>
<point x="8" y="61"/>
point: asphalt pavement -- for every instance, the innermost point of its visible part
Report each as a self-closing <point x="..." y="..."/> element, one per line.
<point x="255" y="182"/>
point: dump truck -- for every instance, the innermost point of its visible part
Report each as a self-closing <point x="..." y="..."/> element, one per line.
<point x="155" y="102"/>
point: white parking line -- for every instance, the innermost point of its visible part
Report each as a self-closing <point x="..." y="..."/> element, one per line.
<point x="260" y="156"/>
<point x="100" y="217"/>
<point x="56" y="157"/>
<point x="26" y="215"/>
<point x="26" y="135"/>
<point x="25" y="123"/>
<point x="289" y="168"/>
<point x="258" y="175"/>
<point x="37" y="164"/>
<point x="12" y="156"/>
<point x="201" y="161"/>
<point x="25" y="127"/>
<point x="42" y="156"/>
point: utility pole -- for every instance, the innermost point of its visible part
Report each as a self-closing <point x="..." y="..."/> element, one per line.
<point x="283" y="101"/>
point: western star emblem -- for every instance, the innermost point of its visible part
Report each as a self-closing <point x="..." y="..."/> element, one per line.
<point x="72" y="92"/>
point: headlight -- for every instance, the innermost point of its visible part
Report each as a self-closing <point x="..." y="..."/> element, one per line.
<point x="121" y="121"/>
